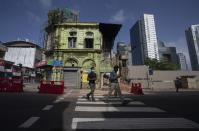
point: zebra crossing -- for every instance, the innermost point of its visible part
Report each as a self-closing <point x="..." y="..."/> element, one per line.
<point x="136" y="115"/>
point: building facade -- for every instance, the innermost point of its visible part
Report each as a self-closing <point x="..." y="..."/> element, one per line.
<point x="192" y="36"/>
<point x="182" y="61"/>
<point x="122" y="58"/>
<point x="23" y="52"/>
<point x="167" y="53"/>
<point x="74" y="47"/>
<point x="144" y="40"/>
<point x="3" y="50"/>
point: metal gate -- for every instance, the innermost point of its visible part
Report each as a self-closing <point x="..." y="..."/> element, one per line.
<point x="71" y="78"/>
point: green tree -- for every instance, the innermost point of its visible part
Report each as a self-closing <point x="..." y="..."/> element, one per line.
<point x="160" y="65"/>
<point x="152" y="63"/>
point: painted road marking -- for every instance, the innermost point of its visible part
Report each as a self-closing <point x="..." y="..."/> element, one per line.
<point x="102" y="99"/>
<point x="48" y="107"/>
<point x="133" y="123"/>
<point x="29" y="122"/>
<point x="56" y="101"/>
<point x="62" y="97"/>
<point x="97" y="96"/>
<point x="117" y="109"/>
<point x="109" y="103"/>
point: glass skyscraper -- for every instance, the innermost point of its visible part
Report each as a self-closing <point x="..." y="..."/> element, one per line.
<point x="144" y="40"/>
<point x="192" y="36"/>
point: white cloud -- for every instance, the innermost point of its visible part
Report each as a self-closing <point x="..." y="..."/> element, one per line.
<point x="119" y="16"/>
<point x="46" y="3"/>
<point x="33" y="17"/>
<point x="181" y="47"/>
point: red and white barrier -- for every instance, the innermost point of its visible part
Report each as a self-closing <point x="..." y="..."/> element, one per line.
<point x="136" y="88"/>
<point x="11" y="85"/>
<point x="54" y="87"/>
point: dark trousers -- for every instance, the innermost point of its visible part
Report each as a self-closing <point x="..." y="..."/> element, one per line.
<point x="92" y="90"/>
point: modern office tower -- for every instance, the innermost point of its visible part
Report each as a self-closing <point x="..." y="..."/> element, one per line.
<point x="167" y="53"/>
<point x="182" y="61"/>
<point x="144" y="40"/>
<point x="192" y="36"/>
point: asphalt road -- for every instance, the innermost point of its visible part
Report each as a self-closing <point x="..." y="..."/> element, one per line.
<point x="49" y="112"/>
<point x="183" y="104"/>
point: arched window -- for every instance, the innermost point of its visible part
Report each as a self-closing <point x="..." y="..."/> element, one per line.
<point x="72" y="39"/>
<point x="89" y="40"/>
<point x="89" y="34"/>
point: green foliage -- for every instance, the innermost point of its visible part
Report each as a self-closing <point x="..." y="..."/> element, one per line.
<point x="161" y="65"/>
<point x="55" y="16"/>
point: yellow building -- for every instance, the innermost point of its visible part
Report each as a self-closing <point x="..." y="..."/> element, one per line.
<point x="72" y="48"/>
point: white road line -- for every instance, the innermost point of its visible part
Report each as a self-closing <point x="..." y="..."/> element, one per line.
<point x="133" y="123"/>
<point x="117" y="109"/>
<point x="102" y="99"/>
<point x="56" y="101"/>
<point x="68" y="93"/>
<point x="109" y="103"/>
<point x="62" y="97"/>
<point x="29" y="122"/>
<point x="48" y="107"/>
<point x="96" y="96"/>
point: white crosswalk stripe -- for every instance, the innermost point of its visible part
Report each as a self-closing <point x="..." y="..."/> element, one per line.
<point x="117" y="109"/>
<point x="110" y="103"/>
<point x="85" y="107"/>
<point x="102" y="99"/>
<point x="132" y="123"/>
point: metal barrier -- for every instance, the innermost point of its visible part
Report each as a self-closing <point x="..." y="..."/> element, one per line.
<point x="11" y="85"/>
<point x="54" y="87"/>
<point x="136" y="88"/>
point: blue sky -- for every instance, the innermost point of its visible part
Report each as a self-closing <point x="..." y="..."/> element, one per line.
<point x="26" y="18"/>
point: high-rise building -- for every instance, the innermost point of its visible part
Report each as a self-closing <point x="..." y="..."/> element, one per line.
<point x="167" y="53"/>
<point x="144" y="40"/>
<point x="192" y="36"/>
<point x="182" y="61"/>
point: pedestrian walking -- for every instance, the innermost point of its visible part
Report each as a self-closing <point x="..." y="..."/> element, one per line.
<point x="177" y="84"/>
<point x="92" y="76"/>
<point x="114" y="85"/>
<point x="81" y="72"/>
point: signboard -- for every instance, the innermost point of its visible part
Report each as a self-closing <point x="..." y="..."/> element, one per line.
<point x="41" y="63"/>
<point x="150" y="71"/>
<point x="50" y="62"/>
<point x="58" y="63"/>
